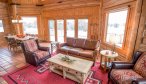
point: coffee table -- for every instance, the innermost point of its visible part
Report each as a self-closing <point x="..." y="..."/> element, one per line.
<point x="78" y="70"/>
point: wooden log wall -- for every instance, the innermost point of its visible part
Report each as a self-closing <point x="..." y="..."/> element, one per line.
<point x="141" y="36"/>
<point x="6" y="23"/>
<point x="44" y="14"/>
<point x="91" y="13"/>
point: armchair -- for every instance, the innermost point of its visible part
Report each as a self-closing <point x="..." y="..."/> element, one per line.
<point x="34" y="54"/>
<point x="129" y="73"/>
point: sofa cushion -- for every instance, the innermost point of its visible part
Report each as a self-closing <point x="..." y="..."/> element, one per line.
<point x="79" y="43"/>
<point x="140" y="66"/>
<point x="31" y="45"/>
<point x="65" y="48"/>
<point x="124" y="76"/>
<point x="86" y="53"/>
<point x="90" y="44"/>
<point x="40" y="54"/>
<point x="70" y="41"/>
<point x="75" y="51"/>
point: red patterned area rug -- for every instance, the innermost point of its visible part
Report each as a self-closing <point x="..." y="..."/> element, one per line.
<point x="40" y="75"/>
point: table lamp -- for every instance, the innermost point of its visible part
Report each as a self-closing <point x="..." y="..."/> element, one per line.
<point x="112" y="41"/>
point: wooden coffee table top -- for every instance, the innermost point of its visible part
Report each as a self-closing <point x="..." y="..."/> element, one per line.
<point x="79" y="65"/>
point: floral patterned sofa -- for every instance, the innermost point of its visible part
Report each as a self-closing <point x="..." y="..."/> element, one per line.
<point x="129" y="73"/>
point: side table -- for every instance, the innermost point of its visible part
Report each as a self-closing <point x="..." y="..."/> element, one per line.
<point x="107" y="55"/>
<point x="53" y="46"/>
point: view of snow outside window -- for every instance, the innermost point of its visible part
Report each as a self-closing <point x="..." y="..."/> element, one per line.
<point x="60" y="30"/>
<point x="30" y="25"/>
<point x="116" y="27"/>
<point x="82" y="28"/>
<point x="1" y="26"/>
<point x="52" y="30"/>
<point x="70" y="27"/>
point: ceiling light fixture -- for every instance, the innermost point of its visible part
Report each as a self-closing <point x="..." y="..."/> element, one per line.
<point x="15" y="17"/>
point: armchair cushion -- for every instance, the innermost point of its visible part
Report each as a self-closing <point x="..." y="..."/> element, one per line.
<point x="40" y="54"/>
<point x="124" y="76"/>
<point x="90" y="44"/>
<point x="140" y="66"/>
<point x="139" y="81"/>
<point x="31" y="45"/>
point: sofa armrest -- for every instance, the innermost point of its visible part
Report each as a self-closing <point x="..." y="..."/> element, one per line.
<point x="59" y="45"/>
<point x="122" y="65"/>
<point x="139" y="81"/>
<point x="95" y="53"/>
<point x="30" y="53"/>
<point x="44" y="48"/>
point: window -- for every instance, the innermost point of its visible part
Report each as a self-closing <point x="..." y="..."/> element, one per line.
<point x="30" y="25"/>
<point x="52" y="30"/>
<point x="1" y="26"/>
<point x="82" y="28"/>
<point x="116" y="27"/>
<point x="60" y="30"/>
<point x="70" y="27"/>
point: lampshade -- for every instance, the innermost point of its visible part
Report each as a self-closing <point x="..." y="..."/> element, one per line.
<point x="16" y="20"/>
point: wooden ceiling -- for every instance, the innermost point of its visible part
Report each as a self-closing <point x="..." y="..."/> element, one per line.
<point x="5" y="1"/>
<point x="48" y="2"/>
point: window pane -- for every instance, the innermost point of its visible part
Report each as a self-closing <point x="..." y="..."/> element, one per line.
<point x="30" y="25"/>
<point x="70" y="27"/>
<point x="60" y="30"/>
<point x="116" y="27"/>
<point x="82" y="28"/>
<point x="52" y="30"/>
<point x="1" y="26"/>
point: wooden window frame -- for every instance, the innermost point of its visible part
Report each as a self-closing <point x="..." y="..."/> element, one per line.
<point x="78" y="28"/>
<point x="65" y="26"/>
<point x="49" y="29"/>
<point x="106" y="13"/>
<point x="38" y="21"/>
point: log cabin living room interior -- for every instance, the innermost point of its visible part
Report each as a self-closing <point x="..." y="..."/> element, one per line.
<point x="72" y="41"/>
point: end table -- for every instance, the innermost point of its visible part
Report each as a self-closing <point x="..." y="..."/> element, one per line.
<point x="107" y="55"/>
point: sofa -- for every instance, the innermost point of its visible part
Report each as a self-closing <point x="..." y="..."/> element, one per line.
<point x="34" y="53"/>
<point x="129" y="72"/>
<point x="82" y="48"/>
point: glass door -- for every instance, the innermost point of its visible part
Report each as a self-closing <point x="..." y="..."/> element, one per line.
<point x="60" y="30"/>
<point x="51" y="24"/>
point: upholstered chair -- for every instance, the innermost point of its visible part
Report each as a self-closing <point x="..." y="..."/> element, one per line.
<point x="129" y="73"/>
<point x="34" y="53"/>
